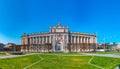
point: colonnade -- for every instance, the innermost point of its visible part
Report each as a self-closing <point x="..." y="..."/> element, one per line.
<point x="40" y="40"/>
<point x="71" y="39"/>
<point x="82" y="39"/>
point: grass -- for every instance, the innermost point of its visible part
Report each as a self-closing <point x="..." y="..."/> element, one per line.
<point x="107" y="63"/>
<point x="63" y="62"/>
<point x="60" y="53"/>
<point x="58" y="62"/>
<point x="18" y="62"/>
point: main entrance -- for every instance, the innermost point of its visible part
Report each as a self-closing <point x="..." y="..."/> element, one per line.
<point x="58" y="46"/>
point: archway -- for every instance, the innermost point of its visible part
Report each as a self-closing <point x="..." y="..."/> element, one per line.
<point x="58" y="46"/>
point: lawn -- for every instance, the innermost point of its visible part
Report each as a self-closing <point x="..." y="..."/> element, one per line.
<point x="59" y="61"/>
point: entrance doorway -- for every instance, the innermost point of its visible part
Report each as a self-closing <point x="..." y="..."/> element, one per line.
<point x="58" y="46"/>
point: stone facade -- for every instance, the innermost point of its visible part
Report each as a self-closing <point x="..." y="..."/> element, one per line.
<point x="59" y="39"/>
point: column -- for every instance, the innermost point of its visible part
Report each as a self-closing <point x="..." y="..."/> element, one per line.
<point x="42" y="39"/>
<point x="74" y="39"/>
<point x="71" y="39"/>
<point x="50" y="39"/>
<point x="81" y="38"/>
<point x="89" y="43"/>
<point x="67" y="39"/>
<point x="90" y="40"/>
<point x="54" y="42"/>
<point x="63" y="48"/>
<point x="46" y="39"/>
<point x="86" y="39"/>
<point x="37" y="40"/>
<point x="33" y="40"/>
<point x="30" y="40"/>
<point x="78" y="40"/>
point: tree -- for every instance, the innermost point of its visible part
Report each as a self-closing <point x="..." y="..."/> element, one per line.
<point x="1" y="46"/>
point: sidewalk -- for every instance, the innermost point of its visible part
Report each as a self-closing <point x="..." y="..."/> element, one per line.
<point x="12" y="56"/>
<point x="103" y="55"/>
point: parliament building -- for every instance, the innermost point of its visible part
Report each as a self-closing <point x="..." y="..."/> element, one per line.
<point x="58" y="39"/>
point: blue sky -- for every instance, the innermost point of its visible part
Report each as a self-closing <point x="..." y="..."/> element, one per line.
<point x="28" y="16"/>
